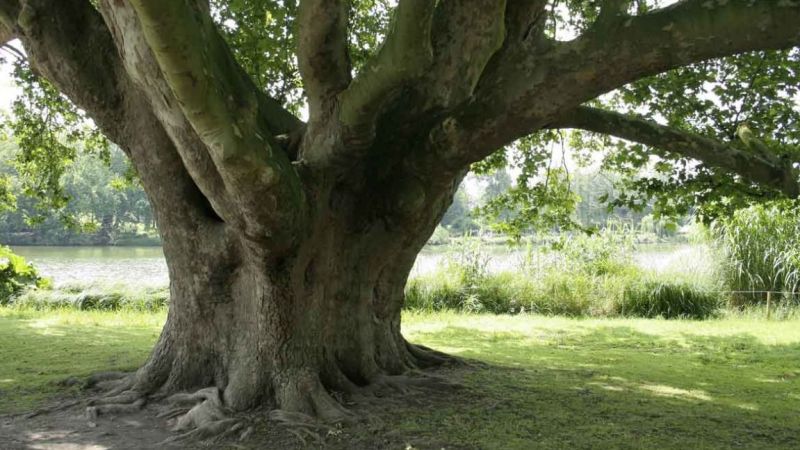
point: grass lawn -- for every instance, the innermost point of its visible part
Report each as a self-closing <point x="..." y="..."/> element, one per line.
<point x="548" y="383"/>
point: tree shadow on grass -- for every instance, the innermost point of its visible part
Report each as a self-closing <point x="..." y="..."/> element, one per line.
<point x="615" y="387"/>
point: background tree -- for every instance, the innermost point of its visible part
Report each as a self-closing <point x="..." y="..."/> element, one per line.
<point x="105" y="205"/>
<point x="289" y="243"/>
<point x="458" y="217"/>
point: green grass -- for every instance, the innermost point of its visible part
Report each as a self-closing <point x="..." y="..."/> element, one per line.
<point x="39" y="349"/>
<point x="551" y="382"/>
<point x="619" y="383"/>
<point x="629" y="292"/>
<point x="93" y="297"/>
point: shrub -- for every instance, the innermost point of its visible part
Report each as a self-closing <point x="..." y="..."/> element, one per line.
<point x="556" y="293"/>
<point x="607" y="252"/>
<point x="16" y="275"/>
<point x="667" y="299"/>
<point x="94" y="298"/>
<point x="590" y="276"/>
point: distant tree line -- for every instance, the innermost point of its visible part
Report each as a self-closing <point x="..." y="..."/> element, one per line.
<point x="103" y="204"/>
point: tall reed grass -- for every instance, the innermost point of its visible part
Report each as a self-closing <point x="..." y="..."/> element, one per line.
<point x="576" y="276"/>
<point x="759" y="250"/>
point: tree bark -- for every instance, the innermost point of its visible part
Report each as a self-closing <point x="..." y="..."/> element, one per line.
<point x="324" y="318"/>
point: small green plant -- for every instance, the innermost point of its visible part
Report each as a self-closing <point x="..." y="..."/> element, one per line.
<point x="440" y="236"/>
<point x="16" y="275"/>
<point x="607" y="252"/>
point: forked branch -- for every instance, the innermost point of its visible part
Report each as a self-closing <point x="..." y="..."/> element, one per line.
<point x="523" y="94"/>
<point x="466" y="34"/>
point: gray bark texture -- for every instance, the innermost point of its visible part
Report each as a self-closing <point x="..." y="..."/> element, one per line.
<point x="289" y="243"/>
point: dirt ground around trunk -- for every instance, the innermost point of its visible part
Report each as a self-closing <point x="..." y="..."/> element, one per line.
<point x="64" y="425"/>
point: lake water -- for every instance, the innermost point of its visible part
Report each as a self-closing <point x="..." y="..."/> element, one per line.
<point x="135" y="266"/>
<point x="145" y="266"/>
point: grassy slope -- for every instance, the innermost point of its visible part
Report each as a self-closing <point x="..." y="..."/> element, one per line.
<point x="552" y="383"/>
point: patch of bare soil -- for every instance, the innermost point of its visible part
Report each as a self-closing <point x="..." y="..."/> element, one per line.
<point x="65" y="425"/>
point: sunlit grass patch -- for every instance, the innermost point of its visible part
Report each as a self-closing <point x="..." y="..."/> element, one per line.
<point x="42" y="349"/>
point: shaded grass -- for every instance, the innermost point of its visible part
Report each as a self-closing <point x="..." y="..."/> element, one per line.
<point x="621" y="383"/>
<point x="551" y="382"/>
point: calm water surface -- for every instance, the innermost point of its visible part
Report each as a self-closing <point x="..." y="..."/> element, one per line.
<point x="145" y="266"/>
<point x="136" y="266"/>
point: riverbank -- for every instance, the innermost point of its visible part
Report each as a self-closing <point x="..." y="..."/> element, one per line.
<point x="145" y="265"/>
<point x="544" y="382"/>
<point x="77" y="239"/>
<point x="587" y="281"/>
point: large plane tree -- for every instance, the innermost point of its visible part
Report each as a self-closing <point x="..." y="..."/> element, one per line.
<point x="289" y="242"/>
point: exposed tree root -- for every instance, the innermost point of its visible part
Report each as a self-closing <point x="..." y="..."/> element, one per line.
<point x="95" y="378"/>
<point x="207" y="409"/>
<point x="200" y="416"/>
<point x="48" y="410"/>
<point x="405" y="384"/>
<point x="126" y="403"/>
<point x="123" y="398"/>
<point x="301" y="425"/>
<point x="112" y="382"/>
<point x="302" y="392"/>
<point x="307" y="409"/>
<point x="427" y="357"/>
<point x="213" y="429"/>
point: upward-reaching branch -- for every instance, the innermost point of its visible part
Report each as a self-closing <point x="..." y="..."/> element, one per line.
<point x="93" y="77"/>
<point x="224" y="107"/>
<point x="759" y="167"/>
<point x="405" y="55"/>
<point x="466" y="34"/>
<point x="322" y="51"/>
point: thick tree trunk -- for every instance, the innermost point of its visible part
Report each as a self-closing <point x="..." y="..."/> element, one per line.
<point x="286" y="332"/>
<point x="286" y="277"/>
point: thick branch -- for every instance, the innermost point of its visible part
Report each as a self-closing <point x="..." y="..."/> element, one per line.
<point x="761" y="168"/>
<point x="322" y="51"/>
<point x="223" y="106"/>
<point x="466" y="34"/>
<point x="405" y="55"/>
<point x="684" y="33"/>
<point x="9" y="10"/>
<point x="524" y="93"/>
<point x="92" y="76"/>
<point x="6" y="34"/>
